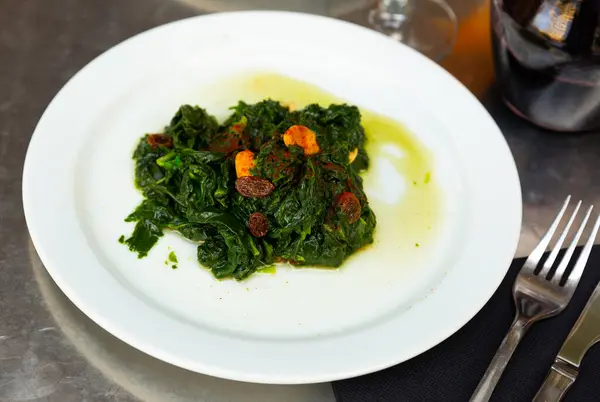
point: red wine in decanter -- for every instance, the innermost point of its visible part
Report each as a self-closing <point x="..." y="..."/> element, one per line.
<point x="547" y="59"/>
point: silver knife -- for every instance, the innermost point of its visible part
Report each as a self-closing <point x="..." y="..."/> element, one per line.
<point x="583" y="336"/>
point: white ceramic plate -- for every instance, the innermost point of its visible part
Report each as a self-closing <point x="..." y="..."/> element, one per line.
<point x="298" y="326"/>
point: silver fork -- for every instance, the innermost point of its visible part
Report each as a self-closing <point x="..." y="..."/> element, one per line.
<point x="539" y="295"/>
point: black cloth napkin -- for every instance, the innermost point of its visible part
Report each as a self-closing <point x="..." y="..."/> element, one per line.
<point x="451" y="371"/>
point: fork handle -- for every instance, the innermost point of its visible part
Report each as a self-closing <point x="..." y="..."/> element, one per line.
<point x="492" y="375"/>
<point x="557" y="383"/>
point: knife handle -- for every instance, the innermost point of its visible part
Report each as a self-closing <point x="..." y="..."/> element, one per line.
<point x="558" y="381"/>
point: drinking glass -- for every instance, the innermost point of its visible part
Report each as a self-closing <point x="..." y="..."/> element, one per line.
<point x="429" y="26"/>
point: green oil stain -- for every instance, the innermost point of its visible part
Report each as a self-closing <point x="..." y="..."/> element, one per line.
<point x="171" y="259"/>
<point x="271" y="270"/>
<point x="398" y="223"/>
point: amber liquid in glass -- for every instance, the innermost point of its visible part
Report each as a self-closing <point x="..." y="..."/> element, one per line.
<point x="471" y="58"/>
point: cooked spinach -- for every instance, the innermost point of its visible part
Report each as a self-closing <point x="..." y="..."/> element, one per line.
<point x="267" y="185"/>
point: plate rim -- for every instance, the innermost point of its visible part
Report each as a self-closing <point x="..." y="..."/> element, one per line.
<point x="132" y="339"/>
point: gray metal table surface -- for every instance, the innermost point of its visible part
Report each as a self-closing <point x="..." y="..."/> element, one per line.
<point x="49" y="350"/>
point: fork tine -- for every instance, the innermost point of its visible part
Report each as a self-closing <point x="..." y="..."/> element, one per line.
<point x="538" y="251"/>
<point x="577" y="271"/>
<point x="552" y="257"/>
<point x="562" y="267"/>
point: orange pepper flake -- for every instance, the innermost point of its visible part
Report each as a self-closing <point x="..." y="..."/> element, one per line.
<point x="244" y="161"/>
<point x="303" y="137"/>
<point x="239" y="127"/>
<point x="352" y="155"/>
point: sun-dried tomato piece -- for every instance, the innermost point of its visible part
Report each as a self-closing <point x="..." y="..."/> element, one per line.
<point x="159" y="140"/>
<point x="258" y="224"/>
<point x="349" y="205"/>
<point x="254" y="187"/>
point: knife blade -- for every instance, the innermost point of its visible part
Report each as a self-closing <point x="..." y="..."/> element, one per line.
<point x="564" y="370"/>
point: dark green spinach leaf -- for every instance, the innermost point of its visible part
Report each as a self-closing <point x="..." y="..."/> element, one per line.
<point x="189" y="187"/>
